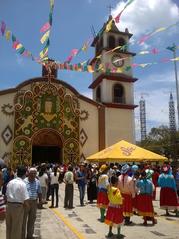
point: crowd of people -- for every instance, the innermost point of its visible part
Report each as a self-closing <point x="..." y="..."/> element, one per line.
<point x="120" y="191"/>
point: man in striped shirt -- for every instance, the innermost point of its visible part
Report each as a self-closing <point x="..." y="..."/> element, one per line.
<point x="35" y="194"/>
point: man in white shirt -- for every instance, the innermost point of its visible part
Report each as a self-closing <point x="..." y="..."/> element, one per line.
<point x="16" y="196"/>
<point x="35" y="194"/>
<point x="69" y="188"/>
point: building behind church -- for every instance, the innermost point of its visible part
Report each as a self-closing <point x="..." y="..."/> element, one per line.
<point x="46" y="119"/>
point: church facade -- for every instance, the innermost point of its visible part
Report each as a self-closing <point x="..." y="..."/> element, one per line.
<point x="46" y="119"/>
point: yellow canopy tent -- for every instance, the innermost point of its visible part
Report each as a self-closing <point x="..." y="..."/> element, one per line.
<point x="124" y="151"/>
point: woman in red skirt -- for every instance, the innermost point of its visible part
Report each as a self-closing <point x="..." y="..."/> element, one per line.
<point x="168" y="192"/>
<point x="144" y="199"/>
<point x="102" y="197"/>
<point x="127" y="189"/>
<point x="114" y="216"/>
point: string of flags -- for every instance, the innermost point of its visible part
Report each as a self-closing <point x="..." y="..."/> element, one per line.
<point x="45" y="29"/>
<point x="125" y="47"/>
<point x="16" y="44"/>
<point x="158" y="30"/>
<point x="86" y="66"/>
<point x="105" y="68"/>
<point x="117" y="18"/>
<point x="75" y="52"/>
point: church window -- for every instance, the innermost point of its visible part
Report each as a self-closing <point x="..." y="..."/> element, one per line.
<point x="111" y="42"/>
<point x="98" y="94"/>
<point x="121" y="41"/>
<point x="118" y="94"/>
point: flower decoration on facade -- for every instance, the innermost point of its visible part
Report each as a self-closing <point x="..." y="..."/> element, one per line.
<point x="7" y="109"/>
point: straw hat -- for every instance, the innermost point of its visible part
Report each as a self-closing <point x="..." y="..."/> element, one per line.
<point x="103" y="168"/>
<point x="94" y="165"/>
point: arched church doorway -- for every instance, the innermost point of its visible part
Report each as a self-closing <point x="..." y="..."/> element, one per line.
<point x="47" y="147"/>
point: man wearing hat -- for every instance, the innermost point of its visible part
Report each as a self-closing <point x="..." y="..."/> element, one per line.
<point x="127" y="188"/>
<point x="102" y="197"/>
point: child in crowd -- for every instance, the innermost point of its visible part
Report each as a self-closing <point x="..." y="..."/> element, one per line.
<point x="102" y="197"/>
<point x="114" y="216"/>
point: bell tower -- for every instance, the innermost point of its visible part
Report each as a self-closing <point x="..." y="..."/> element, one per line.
<point x="113" y="82"/>
<point x="112" y="79"/>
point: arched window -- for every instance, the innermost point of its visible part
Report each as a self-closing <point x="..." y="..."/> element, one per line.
<point x="118" y="94"/>
<point x="98" y="94"/>
<point x="111" y="42"/>
<point x="121" y="41"/>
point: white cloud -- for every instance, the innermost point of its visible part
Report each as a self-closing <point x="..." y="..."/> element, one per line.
<point x="145" y="15"/>
<point x="156" y="99"/>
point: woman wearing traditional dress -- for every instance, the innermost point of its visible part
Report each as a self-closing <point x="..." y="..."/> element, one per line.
<point x="168" y="192"/>
<point x="102" y="197"/>
<point x="114" y="215"/>
<point x="127" y="188"/>
<point x="144" y="199"/>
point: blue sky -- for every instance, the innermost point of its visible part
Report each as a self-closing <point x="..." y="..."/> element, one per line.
<point x="72" y="21"/>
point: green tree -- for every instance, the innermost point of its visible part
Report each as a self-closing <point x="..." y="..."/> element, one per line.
<point x="162" y="141"/>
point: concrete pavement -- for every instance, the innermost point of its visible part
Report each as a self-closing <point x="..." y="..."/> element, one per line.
<point x="83" y="223"/>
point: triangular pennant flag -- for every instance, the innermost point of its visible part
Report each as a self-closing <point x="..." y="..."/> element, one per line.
<point x="127" y="68"/>
<point x="45" y="37"/>
<point x="51" y="3"/>
<point x="8" y="35"/>
<point x="43" y="53"/>
<point x="47" y="43"/>
<point x="50" y="18"/>
<point x="21" y="50"/>
<point x="25" y="53"/>
<point x="90" y="68"/>
<point x="154" y="51"/>
<point x="18" y="46"/>
<point x="143" y="52"/>
<point x="109" y="26"/>
<point x="13" y="38"/>
<point x="45" y="27"/>
<point x="74" y="52"/>
<point x="3" y="27"/>
<point x="15" y="44"/>
<point x="175" y="59"/>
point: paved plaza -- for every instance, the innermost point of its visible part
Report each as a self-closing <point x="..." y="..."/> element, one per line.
<point x="83" y="223"/>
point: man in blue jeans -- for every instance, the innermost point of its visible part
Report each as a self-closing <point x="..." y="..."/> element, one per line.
<point x="81" y="181"/>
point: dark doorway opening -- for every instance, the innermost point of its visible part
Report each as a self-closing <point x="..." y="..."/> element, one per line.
<point x="46" y="154"/>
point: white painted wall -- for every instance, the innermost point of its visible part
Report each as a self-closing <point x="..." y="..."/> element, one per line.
<point x="90" y="127"/>
<point x="5" y="121"/>
<point x="119" y="125"/>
